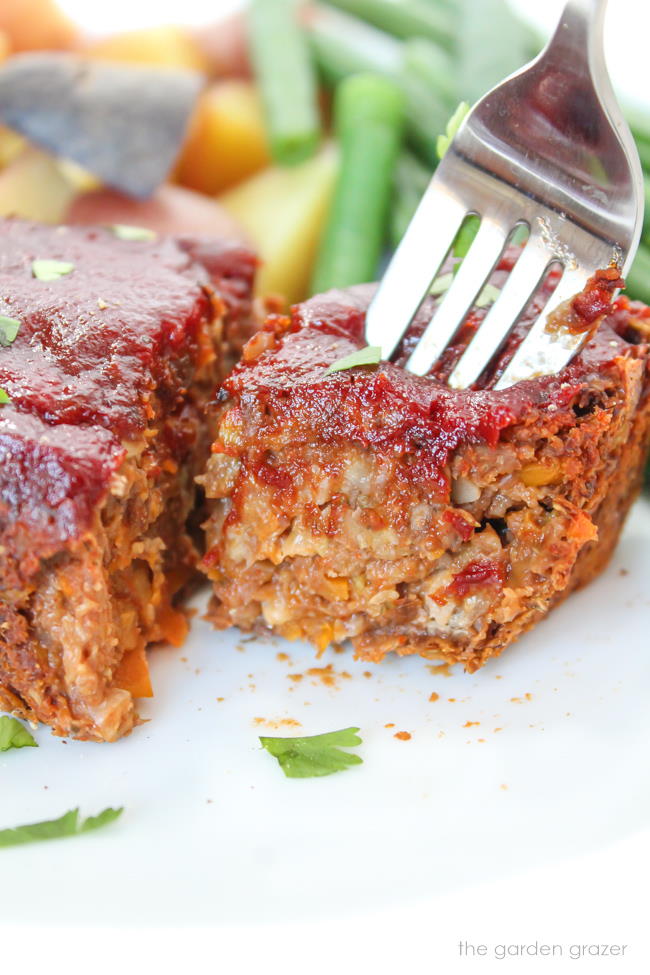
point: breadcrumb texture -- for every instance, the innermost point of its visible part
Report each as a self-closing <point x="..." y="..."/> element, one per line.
<point x="108" y="376"/>
<point x="385" y="508"/>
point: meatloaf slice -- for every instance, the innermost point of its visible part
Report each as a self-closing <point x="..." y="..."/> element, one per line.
<point x="108" y="377"/>
<point x="383" y="507"/>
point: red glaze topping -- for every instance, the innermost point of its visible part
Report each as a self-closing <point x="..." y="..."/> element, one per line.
<point x="482" y="572"/>
<point x="51" y="477"/>
<point x="463" y="526"/>
<point x="91" y="348"/>
<point x="268" y="474"/>
<point x="92" y="343"/>
<point x="386" y="408"/>
<point x="596" y="299"/>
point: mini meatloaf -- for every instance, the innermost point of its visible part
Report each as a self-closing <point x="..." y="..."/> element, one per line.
<point x="375" y="505"/>
<point x="104" y="433"/>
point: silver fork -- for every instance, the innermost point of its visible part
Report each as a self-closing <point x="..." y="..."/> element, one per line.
<point x="548" y="148"/>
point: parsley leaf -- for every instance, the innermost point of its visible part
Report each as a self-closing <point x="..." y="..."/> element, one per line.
<point x="465" y="237"/>
<point x="8" y="329"/>
<point x="126" y="232"/>
<point x="52" y="829"/>
<point x="49" y="270"/>
<point x="13" y="734"/>
<point x="453" y="125"/>
<point x="4" y="397"/>
<point x="370" y="355"/>
<point x="305" y="758"/>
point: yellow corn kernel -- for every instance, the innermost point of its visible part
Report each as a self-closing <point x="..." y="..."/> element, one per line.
<point x="538" y="475"/>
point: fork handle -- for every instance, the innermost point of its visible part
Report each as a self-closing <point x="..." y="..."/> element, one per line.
<point x="578" y="43"/>
<point x="579" y="35"/>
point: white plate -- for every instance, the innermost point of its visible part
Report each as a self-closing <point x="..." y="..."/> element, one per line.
<point x="213" y="831"/>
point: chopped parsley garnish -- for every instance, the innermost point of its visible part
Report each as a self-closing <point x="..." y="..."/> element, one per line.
<point x="305" y="758"/>
<point x="49" y="270"/>
<point x="52" y="829"/>
<point x="8" y="329"/>
<point x="453" y="126"/>
<point x="4" y="397"/>
<point x="126" y="232"/>
<point x="370" y="355"/>
<point x="13" y="734"/>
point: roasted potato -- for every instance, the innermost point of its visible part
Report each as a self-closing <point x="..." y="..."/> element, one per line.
<point x="227" y="138"/>
<point x="283" y="211"/>
<point x="165" y="46"/>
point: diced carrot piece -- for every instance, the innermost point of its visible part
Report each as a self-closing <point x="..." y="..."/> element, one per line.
<point x="132" y="674"/>
<point x="172" y="625"/>
<point x="226" y="142"/>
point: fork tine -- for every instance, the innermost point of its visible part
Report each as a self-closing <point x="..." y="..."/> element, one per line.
<point x="413" y="267"/>
<point x="472" y="274"/>
<point x="517" y="291"/>
<point x="544" y="352"/>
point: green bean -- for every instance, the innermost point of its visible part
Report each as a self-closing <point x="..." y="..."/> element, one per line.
<point x="639" y="121"/>
<point x="426" y="115"/>
<point x="646" y="216"/>
<point x="638" y="277"/>
<point x="283" y="68"/>
<point x="492" y="43"/>
<point x="343" y="46"/>
<point x="433" y="66"/>
<point x="408" y="18"/>
<point x="644" y="153"/>
<point x="368" y="117"/>
<point x="411" y="179"/>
